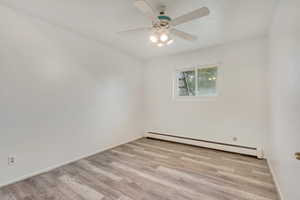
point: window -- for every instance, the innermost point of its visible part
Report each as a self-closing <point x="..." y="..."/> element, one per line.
<point x="196" y="82"/>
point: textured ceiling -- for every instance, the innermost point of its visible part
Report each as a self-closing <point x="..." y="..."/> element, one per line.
<point x="229" y="20"/>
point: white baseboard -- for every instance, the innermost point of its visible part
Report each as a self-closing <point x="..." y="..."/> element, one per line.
<point x="275" y="180"/>
<point x="62" y="164"/>
<point x="212" y="145"/>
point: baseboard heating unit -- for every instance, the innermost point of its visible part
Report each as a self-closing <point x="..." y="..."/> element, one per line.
<point x="208" y="144"/>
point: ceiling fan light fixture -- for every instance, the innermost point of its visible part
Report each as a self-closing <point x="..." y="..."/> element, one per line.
<point x="160" y="44"/>
<point x="163" y="27"/>
<point x="164" y="37"/>
<point x="170" y="42"/>
<point x="153" y="38"/>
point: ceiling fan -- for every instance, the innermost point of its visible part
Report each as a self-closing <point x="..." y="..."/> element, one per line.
<point x="163" y="27"/>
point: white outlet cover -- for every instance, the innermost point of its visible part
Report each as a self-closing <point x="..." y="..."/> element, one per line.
<point x="11" y="160"/>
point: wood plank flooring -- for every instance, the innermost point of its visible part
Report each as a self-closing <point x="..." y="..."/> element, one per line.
<point x="149" y="169"/>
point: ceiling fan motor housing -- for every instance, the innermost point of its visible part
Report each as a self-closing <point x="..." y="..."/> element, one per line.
<point x="164" y="17"/>
<point x="164" y="20"/>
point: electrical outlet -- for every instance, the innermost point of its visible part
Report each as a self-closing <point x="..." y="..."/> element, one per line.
<point x="11" y="160"/>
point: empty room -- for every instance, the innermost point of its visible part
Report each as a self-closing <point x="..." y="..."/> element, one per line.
<point x="149" y="99"/>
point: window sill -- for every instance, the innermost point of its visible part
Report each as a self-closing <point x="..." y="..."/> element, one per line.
<point x="195" y="98"/>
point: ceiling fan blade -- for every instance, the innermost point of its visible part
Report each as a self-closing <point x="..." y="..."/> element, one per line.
<point x="201" y="12"/>
<point x="135" y="30"/>
<point x="183" y="35"/>
<point x="146" y="9"/>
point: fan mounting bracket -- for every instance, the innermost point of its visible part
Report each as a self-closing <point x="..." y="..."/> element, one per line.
<point x="162" y="9"/>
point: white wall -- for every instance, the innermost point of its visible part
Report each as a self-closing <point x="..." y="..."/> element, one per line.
<point x="240" y="109"/>
<point x="285" y="97"/>
<point x="61" y="96"/>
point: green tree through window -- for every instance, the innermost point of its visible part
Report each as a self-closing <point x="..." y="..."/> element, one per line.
<point x="197" y="82"/>
<point x="186" y="82"/>
<point x="207" y="81"/>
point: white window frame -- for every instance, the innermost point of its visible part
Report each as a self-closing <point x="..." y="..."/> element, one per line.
<point x="188" y="98"/>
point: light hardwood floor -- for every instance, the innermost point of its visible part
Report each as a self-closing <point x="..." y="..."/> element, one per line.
<point x="149" y="169"/>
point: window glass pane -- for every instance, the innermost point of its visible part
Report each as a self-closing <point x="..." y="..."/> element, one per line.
<point x="186" y="83"/>
<point x="207" y="79"/>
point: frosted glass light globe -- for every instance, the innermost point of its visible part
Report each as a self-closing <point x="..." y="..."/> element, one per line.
<point x="164" y="37"/>
<point x="153" y="38"/>
<point x="170" y="42"/>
